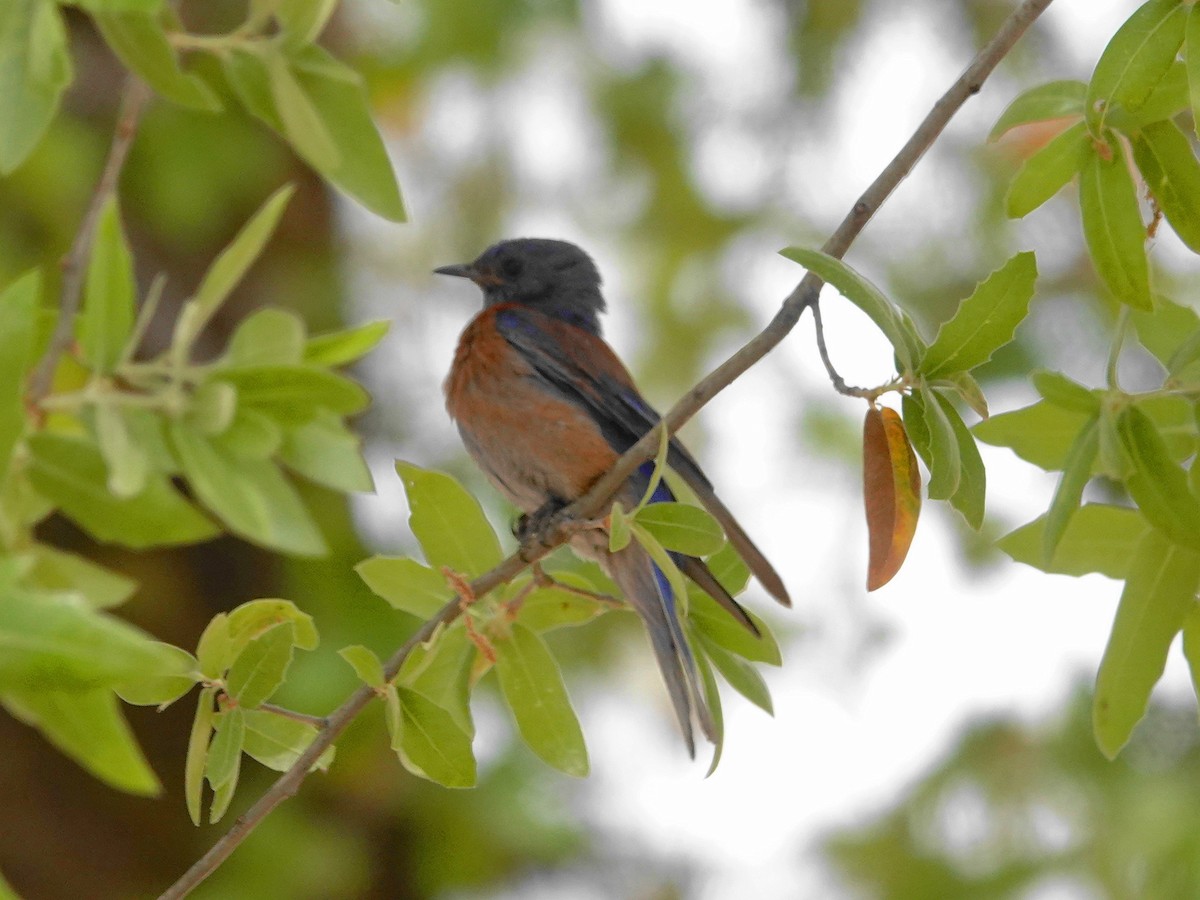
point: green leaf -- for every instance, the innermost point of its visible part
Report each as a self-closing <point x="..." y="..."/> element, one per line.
<point x="730" y="570"/>
<point x="712" y="699"/>
<point x="1168" y="99"/>
<point x="1054" y="100"/>
<point x="551" y="606"/>
<point x="365" y="663"/>
<point x="267" y="337"/>
<point x="1164" y="155"/>
<point x="325" y="451"/>
<point x="251" y="434"/>
<point x="984" y="321"/>
<point x="35" y="68"/>
<point x="968" y="497"/>
<point x="683" y="528"/>
<point x="1113" y="228"/>
<point x="968" y="390"/>
<point x="863" y="294"/>
<point x="213" y="407"/>
<point x="1077" y="471"/>
<point x="431" y="744"/>
<point x="1159" y="592"/>
<point x="229" y="268"/>
<point x="1098" y="538"/>
<point x="1047" y="172"/>
<point x="162" y="690"/>
<point x="88" y="726"/>
<point x="302" y="123"/>
<point x="406" y="584"/>
<point x="1192" y="61"/>
<point x="338" y="348"/>
<point x="277" y="742"/>
<point x="58" y="642"/>
<point x="1065" y="393"/>
<point x="533" y="689"/>
<point x="619" y="534"/>
<point x="109" y="290"/>
<point x="294" y="394"/>
<point x="741" y="675"/>
<point x="225" y="759"/>
<point x="443" y="671"/>
<point x="197" y="753"/>
<point x="256" y="617"/>
<point x="945" y="463"/>
<point x="102" y="6"/>
<point x="1136" y="59"/>
<point x="1157" y="484"/>
<point x="1191" y="644"/>
<point x="18" y="309"/>
<point x="261" y="667"/>
<point x="303" y="20"/>
<point x="658" y="553"/>
<point x="214" y="650"/>
<point x="720" y="628"/>
<point x="57" y="570"/>
<point x="448" y="522"/>
<point x="1041" y="434"/>
<point x="1165" y="330"/>
<point x="128" y="466"/>
<point x="139" y="41"/>
<point x="251" y="496"/>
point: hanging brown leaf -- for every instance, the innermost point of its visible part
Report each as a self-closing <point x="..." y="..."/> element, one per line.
<point x="892" y="493"/>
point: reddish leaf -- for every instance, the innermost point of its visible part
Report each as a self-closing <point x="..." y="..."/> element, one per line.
<point x="892" y="491"/>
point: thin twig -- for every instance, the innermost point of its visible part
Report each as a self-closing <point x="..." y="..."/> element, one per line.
<point x="591" y="503"/>
<point x="318" y="722"/>
<point x="132" y="102"/>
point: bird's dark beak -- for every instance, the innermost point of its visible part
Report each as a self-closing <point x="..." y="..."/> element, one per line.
<point x="460" y="270"/>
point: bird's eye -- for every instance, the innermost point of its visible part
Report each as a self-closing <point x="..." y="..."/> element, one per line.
<point x="512" y="267"/>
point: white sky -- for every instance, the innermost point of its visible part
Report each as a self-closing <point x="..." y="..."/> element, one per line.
<point x="882" y="685"/>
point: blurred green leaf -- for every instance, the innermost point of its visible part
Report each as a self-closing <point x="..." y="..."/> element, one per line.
<point x="1136" y="59"/>
<point x="128" y="466"/>
<point x="88" y="726"/>
<point x="1191" y="644"/>
<point x="338" y="348"/>
<point x="1098" y="538"/>
<point x="1077" y="471"/>
<point x="1159" y="592"/>
<point x="225" y="760"/>
<point x="140" y="42"/>
<point x="533" y="689"/>
<point x="294" y="394"/>
<point x="431" y="744"/>
<point x="1192" y="61"/>
<point x="1041" y="433"/>
<point x="160" y="690"/>
<point x="1157" y="484"/>
<point x="104" y="6"/>
<point x="1065" y="393"/>
<point x="327" y="452"/>
<point x="302" y="123"/>
<point x="619" y="534"/>
<point x="277" y="742"/>
<point x="712" y="699"/>
<point x="365" y="663"/>
<point x="741" y="675"/>
<point x="1047" y="172"/>
<point x="1113" y="227"/>
<point x="251" y="496"/>
<point x="36" y="68"/>
<point x="303" y="20"/>
<point x="448" y="521"/>
<point x="1053" y="100"/>
<point x="59" y="571"/>
<point x="18" y="308"/>
<point x="1164" y="155"/>
<point x="251" y="434"/>
<point x="1165" y="329"/>
<point x="968" y="390"/>
<point x="985" y="321"/>
<point x="109" y="293"/>
<point x="406" y="584"/>
<point x="213" y="407"/>
<point x="267" y="337"/>
<point x="261" y="667"/>
<point x="863" y="294"/>
<point x="682" y="528"/>
<point x="256" y="617"/>
<point x="197" y="753"/>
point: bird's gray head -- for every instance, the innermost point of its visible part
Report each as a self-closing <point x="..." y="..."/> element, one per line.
<point x="553" y="277"/>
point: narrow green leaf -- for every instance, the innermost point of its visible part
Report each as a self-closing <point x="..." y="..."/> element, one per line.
<point x="912" y="408"/>
<point x="406" y="584"/>
<point x="36" y="69"/>
<point x="128" y="465"/>
<point x="968" y="389"/>
<point x="741" y="675"/>
<point x="968" y="498"/>
<point x="18" y="309"/>
<point x="1041" y="434"/>
<point x="109" y="289"/>
<point x="1164" y="155"/>
<point x="197" y="753"/>
<point x="261" y="667"/>
<point x="1192" y="61"/>
<point x="448" y="521"/>
<point x="658" y="553"/>
<point x="720" y="628"/>
<point x="267" y="337"/>
<point x="1159" y="592"/>
<point x="365" y="663"/>
<point x="863" y="294"/>
<point x="1060" y="390"/>
<point x="1113" y="227"/>
<point x="985" y="321"/>
<point x="327" y="452"/>
<point x="682" y="528"/>
<point x="712" y="699"/>
<point x="945" y="469"/>
<point x="1168" y="99"/>
<point x="1136" y="59"/>
<point x="225" y="760"/>
<point x="619" y="534"/>
<point x="1098" y="538"/>
<point x="302" y="123"/>
<point x="140" y="42"/>
<point x="251" y="496"/>
<point x="277" y="742"/>
<point x="339" y="348"/>
<point x="1157" y="484"/>
<point x="432" y="745"/>
<point x="1053" y="100"/>
<point x="89" y="727"/>
<point x="1047" y="172"/>
<point x="1077" y="471"/>
<point x="533" y="689"/>
<point x="294" y="394"/>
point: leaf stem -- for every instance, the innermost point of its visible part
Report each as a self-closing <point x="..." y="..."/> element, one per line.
<point x="1114" y="350"/>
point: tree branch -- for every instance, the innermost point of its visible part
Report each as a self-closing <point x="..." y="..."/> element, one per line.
<point x="596" y="499"/>
<point x="70" y="297"/>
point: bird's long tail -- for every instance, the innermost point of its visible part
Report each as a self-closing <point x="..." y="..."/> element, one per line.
<point x="647" y="591"/>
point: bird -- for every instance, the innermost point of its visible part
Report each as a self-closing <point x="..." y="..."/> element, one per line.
<point x="545" y="408"/>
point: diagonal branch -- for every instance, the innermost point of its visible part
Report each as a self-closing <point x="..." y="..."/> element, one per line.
<point x="595" y="500"/>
